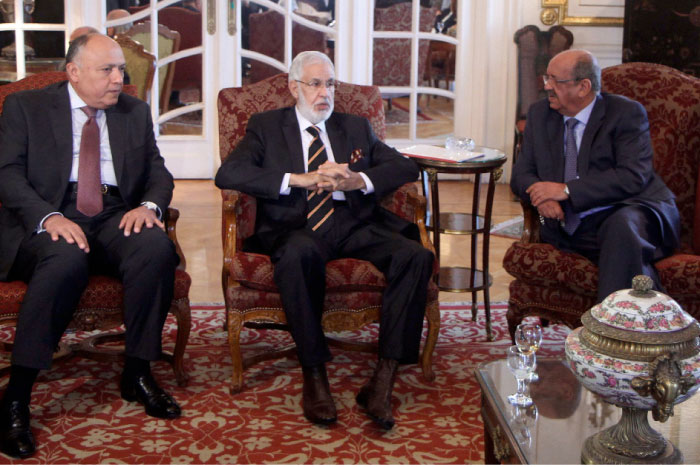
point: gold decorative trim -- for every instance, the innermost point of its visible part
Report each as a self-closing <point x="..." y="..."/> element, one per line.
<point x="558" y="10"/>
<point x="211" y="17"/>
<point x="501" y="450"/>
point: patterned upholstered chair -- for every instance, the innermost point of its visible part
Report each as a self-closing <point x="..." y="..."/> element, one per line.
<point x="101" y="304"/>
<point x="561" y="286"/>
<point x="188" y="72"/>
<point x="535" y="49"/>
<point x="140" y="65"/>
<point x="353" y="287"/>
<point x="168" y="44"/>
<point x="265" y="38"/>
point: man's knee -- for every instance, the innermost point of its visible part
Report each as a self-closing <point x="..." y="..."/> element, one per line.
<point x="630" y="226"/>
<point x="63" y="261"/>
<point x="154" y="249"/>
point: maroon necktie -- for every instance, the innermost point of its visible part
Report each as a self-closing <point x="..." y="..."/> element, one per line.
<point x="89" y="180"/>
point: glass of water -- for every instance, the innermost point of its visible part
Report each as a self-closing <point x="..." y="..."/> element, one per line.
<point x="459" y="146"/>
<point x="520" y="364"/>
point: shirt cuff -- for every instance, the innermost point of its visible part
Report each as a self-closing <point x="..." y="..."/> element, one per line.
<point x="285" y="189"/>
<point x="369" y="187"/>
<point x="41" y="228"/>
<point x="153" y="207"/>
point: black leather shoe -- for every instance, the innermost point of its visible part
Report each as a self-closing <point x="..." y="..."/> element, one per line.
<point x="16" y="438"/>
<point x="375" y="396"/>
<point x="146" y="391"/>
<point x="316" y="400"/>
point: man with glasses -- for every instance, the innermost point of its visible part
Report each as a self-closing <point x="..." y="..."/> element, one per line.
<point x="317" y="176"/>
<point x="586" y="165"/>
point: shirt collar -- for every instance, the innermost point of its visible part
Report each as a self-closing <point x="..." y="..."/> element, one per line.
<point x="584" y="114"/>
<point x="304" y="123"/>
<point x="76" y="102"/>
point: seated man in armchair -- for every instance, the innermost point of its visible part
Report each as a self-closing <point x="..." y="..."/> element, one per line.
<point x="317" y="176"/>
<point x="83" y="188"/>
<point x="586" y="165"/>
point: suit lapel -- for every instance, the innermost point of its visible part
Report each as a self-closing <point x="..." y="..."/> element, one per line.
<point x="592" y="127"/>
<point x="62" y="128"/>
<point x="290" y="128"/>
<point x="338" y="139"/>
<point x="555" y="133"/>
<point x="118" y="133"/>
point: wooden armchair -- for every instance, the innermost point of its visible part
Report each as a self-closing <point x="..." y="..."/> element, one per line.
<point x="168" y="44"/>
<point x="353" y="287"/>
<point x="561" y="286"/>
<point x="140" y="65"/>
<point x="101" y="305"/>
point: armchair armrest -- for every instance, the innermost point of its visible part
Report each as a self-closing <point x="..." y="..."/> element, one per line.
<point x="531" y="223"/>
<point x="408" y="204"/>
<point x="171" y="218"/>
<point x="230" y="207"/>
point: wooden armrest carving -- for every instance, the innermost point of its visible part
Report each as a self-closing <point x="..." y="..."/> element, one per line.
<point x="171" y="218"/>
<point x="230" y="207"/>
<point x="531" y="223"/>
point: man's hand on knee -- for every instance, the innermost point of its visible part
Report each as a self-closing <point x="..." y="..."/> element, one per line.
<point x="135" y="219"/>
<point x="59" y="227"/>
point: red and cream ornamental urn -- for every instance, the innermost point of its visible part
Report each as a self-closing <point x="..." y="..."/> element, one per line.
<point x="640" y="351"/>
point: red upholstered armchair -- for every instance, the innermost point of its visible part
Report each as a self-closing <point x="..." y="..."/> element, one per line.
<point x="101" y="305"/>
<point x="353" y="287"/>
<point x="561" y="286"/>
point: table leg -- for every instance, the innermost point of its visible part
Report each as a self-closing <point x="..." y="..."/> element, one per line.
<point x="435" y="198"/>
<point x="485" y="259"/>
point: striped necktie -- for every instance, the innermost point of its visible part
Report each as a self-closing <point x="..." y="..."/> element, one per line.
<point x="89" y="200"/>
<point x="320" y="204"/>
<point x="571" y="218"/>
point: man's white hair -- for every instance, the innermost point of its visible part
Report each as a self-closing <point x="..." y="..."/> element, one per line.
<point x="303" y="59"/>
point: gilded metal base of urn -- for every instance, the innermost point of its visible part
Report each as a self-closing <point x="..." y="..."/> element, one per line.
<point x="631" y="441"/>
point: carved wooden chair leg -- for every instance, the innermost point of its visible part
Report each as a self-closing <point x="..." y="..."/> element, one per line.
<point x="433" y="314"/>
<point x="235" y="324"/>
<point x="183" y="315"/>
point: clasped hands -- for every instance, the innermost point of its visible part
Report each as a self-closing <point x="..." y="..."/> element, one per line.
<point x="133" y="221"/>
<point x="330" y="176"/>
<point x="545" y="196"/>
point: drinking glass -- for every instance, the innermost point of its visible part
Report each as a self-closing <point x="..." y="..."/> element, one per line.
<point x="520" y="364"/>
<point x="459" y="146"/>
<point x="522" y="420"/>
<point x="528" y="338"/>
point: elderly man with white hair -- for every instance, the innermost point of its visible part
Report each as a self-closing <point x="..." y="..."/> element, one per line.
<point x="317" y="176"/>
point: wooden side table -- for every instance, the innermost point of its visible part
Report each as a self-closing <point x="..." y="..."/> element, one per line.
<point x="464" y="279"/>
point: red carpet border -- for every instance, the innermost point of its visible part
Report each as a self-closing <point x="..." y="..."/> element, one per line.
<point x="78" y="416"/>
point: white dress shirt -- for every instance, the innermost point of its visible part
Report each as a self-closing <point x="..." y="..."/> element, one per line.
<point x="306" y="139"/>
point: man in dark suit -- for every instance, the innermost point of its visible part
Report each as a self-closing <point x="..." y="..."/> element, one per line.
<point x="317" y="176"/>
<point x="83" y="188"/>
<point x="586" y="165"/>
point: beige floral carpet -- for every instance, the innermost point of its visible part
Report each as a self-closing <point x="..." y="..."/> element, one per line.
<point x="79" y="418"/>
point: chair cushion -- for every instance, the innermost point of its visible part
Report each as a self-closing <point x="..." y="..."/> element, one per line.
<point x="342" y="275"/>
<point x="542" y="264"/>
<point x="680" y="275"/>
<point x="101" y="292"/>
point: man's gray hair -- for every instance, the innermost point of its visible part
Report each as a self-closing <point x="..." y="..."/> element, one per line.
<point x="587" y="68"/>
<point x="304" y="59"/>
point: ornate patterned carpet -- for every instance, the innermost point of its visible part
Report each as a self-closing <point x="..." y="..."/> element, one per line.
<point x="78" y="416"/>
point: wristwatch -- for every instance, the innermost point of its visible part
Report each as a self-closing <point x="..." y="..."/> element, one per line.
<point x="153" y="207"/>
<point x="566" y="190"/>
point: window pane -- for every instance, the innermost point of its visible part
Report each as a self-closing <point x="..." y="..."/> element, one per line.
<point x="396" y="112"/>
<point x="435" y="118"/>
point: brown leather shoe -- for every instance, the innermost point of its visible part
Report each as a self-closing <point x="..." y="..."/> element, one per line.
<point x="316" y="400"/>
<point x="375" y="396"/>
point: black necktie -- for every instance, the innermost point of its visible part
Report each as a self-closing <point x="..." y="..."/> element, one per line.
<point x="571" y="219"/>
<point x="320" y="204"/>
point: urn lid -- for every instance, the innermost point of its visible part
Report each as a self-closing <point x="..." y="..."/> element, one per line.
<point x="642" y="315"/>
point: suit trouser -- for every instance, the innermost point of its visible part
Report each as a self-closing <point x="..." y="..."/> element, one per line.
<point x="300" y="259"/>
<point x="57" y="274"/>
<point x="623" y="241"/>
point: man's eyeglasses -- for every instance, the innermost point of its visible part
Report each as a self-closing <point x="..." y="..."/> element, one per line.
<point x="552" y="79"/>
<point x="317" y="84"/>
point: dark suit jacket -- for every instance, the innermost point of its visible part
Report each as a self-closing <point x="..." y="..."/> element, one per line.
<point x="614" y="161"/>
<point x="36" y="155"/>
<point x="272" y="147"/>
